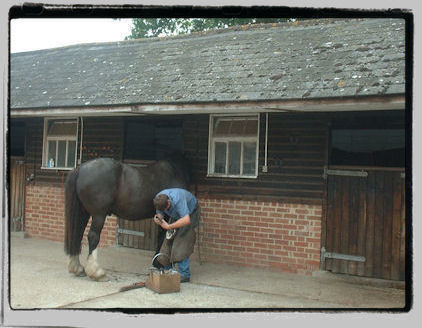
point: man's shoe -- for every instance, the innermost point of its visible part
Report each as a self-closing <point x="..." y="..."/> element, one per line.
<point x="184" y="279"/>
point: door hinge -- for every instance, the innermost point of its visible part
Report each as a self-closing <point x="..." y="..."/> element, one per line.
<point x="348" y="173"/>
<point x="338" y="256"/>
<point x="129" y="232"/>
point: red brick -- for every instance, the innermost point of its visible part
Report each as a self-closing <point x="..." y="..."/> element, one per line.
<point x="281" y="236"/>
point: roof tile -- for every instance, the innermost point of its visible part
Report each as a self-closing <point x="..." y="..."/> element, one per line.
<point x="309" y="59"/>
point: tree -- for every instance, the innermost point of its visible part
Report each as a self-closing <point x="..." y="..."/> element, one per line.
<point x="153" y="27"/>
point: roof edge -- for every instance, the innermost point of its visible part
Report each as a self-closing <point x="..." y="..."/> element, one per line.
<point x="339" y="104"/>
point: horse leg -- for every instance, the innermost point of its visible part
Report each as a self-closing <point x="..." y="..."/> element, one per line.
<point x="75" y="266"/>
<point x="92" y="269"/>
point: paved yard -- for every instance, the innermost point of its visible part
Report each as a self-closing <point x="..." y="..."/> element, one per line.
<point x="39" y="280"/>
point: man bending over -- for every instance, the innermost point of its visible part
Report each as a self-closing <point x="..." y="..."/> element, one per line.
<point x="184" y="211"/>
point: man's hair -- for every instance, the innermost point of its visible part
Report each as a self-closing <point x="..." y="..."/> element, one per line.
<point x="161" y="202"/>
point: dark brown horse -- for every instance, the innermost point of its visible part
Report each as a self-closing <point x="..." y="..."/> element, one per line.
<point x="103" y="186"/>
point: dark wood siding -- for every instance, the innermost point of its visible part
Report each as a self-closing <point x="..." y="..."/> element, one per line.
<point x="152" y="138"/>
<point x="296" y="158"/>
<point x="102" y="137"/>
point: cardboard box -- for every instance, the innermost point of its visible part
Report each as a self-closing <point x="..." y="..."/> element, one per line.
<point x="163" y="282"/>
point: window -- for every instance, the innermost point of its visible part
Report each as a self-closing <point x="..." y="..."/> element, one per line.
<point x="60" y="136"/>
<point x="233" y="148"/>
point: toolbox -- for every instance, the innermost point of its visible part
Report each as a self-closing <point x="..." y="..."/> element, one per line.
<point x="163" y="281"/>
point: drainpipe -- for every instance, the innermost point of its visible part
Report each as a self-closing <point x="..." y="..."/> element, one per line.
<point x="82" y="136"/>
<point x="265" y="167"/>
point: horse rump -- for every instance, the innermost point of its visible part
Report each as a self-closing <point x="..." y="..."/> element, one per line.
<point x="76" y="217"/>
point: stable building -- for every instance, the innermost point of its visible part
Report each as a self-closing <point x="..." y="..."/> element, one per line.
<point x="295" y="133"/>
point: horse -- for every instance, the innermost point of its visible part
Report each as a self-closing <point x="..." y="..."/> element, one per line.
<point x="105" y="186"/>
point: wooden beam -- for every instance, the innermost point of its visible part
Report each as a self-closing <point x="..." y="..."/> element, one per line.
<point x="369" y="103"/>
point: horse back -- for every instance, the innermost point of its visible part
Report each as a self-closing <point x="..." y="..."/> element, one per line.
<point x="105" y="186"/>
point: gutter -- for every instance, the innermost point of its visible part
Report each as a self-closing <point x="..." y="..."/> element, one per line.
<point x="368" y="103"/>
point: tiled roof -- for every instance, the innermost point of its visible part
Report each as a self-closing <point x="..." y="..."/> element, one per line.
<point x="301" y="60"/>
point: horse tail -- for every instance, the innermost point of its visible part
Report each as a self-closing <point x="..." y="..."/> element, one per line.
<point x="76" y="217"/>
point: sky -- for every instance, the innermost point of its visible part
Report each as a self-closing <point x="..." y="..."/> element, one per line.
<point x="36" y="34"/>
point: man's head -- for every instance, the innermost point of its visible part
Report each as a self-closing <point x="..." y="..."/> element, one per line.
<point x="161" y="202"/>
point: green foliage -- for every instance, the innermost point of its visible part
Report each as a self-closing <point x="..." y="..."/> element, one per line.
<point x="153" y="27"/>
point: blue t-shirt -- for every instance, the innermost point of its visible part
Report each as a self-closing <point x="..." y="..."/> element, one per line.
<point x="182" y="202"/>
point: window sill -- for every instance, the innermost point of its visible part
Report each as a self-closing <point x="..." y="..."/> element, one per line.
<point x="213" y="175"/>
<point x="57" y="168"/>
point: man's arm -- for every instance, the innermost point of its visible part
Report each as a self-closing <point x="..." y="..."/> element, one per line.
<point x="184" y="221"/>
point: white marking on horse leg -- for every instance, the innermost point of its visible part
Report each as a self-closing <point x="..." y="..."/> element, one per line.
<point x="93" y="270"/>
<point x="95" y="254"/>
<point x="75" y="266"/>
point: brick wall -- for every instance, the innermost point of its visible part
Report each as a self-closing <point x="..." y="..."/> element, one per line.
<point x="280" y="236"/>
<point x="44" y="215"/>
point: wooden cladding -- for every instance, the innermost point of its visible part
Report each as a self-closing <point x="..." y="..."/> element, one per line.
<point x="296" y="154"/>
<point x="366" y="217"/>
<point x="17" y="193"/>
<point x="296" y="157"/>
<point x="102" y="137"/>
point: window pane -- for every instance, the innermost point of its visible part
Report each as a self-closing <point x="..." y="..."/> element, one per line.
<point x="249" y="158"/>
<point x="234" y="157"/>
<point x="220" y="158"/>
<point x="251" y="128"/>
<point x="71" y="153"/>
<point x="61" y="153"/>
<point x="51" y="157"/>
<point x="62" y="128"/>
<point x="222" y="128"/>
<point x="237" y="128"/>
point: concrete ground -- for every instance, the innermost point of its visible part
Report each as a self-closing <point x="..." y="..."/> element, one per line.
<point x="39" y="280"/>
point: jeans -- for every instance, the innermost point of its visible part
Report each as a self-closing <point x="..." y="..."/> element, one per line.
<point x="183" y="267"/>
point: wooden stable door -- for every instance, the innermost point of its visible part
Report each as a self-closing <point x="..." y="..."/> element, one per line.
<point x="140" y="234"/>
<point x="137" y="234"/>
<point x="365" y="223"/>
<point x="17" y="193"/>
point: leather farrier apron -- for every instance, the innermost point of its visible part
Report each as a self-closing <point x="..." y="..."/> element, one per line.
<point x="182" y="244"/>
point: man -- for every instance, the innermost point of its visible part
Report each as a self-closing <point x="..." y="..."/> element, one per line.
<point x="184" y="211"/>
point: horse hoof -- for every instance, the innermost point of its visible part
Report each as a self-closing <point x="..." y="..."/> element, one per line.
<point x="99" y="275"/>
<point x="95" y="273"/>
<point x="76" y="269"/>
<point x="102" y="278"/>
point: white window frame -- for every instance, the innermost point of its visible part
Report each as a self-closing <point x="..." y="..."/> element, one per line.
<point x="46" y="139"/>
<point x="211" y="147"/>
